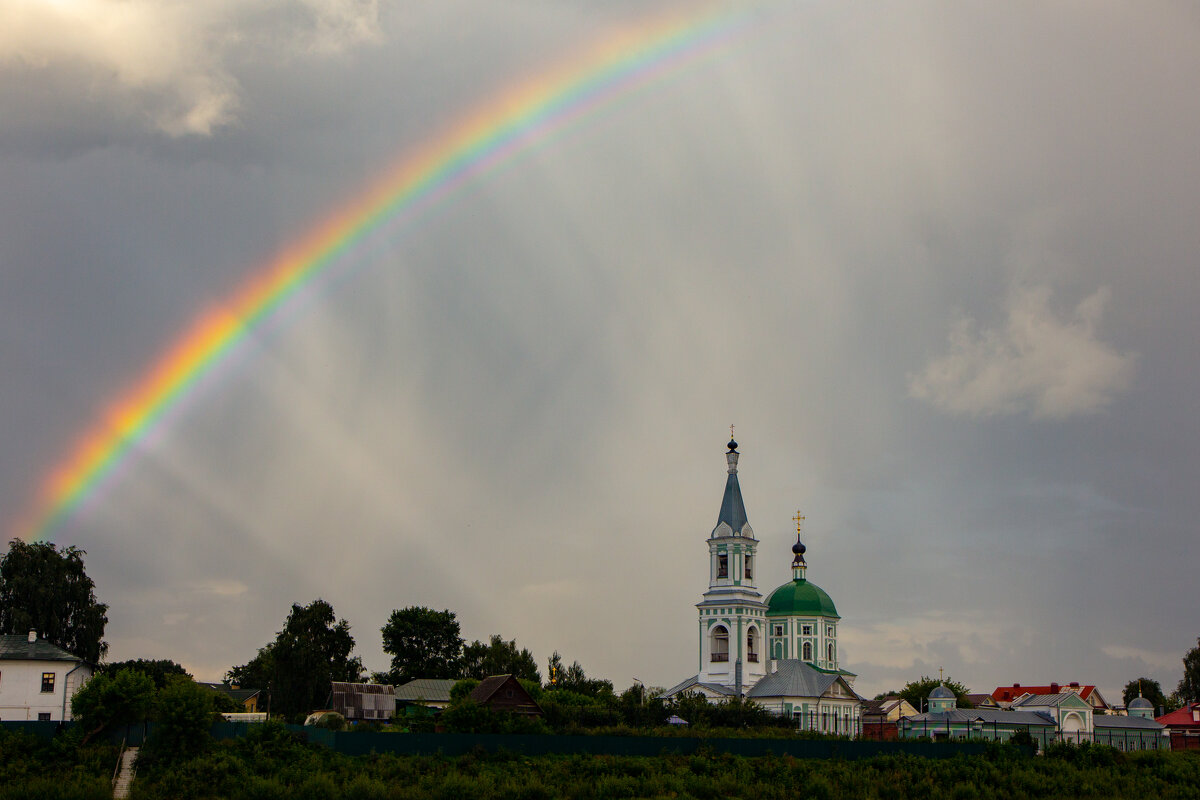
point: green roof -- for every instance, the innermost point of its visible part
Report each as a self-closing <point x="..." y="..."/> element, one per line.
<point x="799" y="598"/>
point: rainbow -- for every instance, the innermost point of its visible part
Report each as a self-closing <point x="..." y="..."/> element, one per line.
<point x="492" y="135"/>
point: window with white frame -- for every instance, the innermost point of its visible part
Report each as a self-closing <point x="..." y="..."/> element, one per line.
<point x="720" y="644"/>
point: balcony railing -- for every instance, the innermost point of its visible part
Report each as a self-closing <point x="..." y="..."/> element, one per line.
<point x="720" y="656"/>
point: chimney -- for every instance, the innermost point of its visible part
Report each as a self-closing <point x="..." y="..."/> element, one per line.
<point x="1075" y="685"/>
<point x="1016" y="686"/>
<point x="1054" y="687"/>
<point x="32" y="637"/>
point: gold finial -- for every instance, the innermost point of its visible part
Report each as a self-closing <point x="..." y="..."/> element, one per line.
<point x="731" y="432"/>
<point x="799" y="518"/>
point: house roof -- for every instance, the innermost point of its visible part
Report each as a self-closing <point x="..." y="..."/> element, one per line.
<point x="1181" y="718"/>
<point x="695" y="684"/>
<point x="982" y="699"/>
<point x="1008" y="693"/>
<point x="431" y="690"/>
<point x="985" y="715"/>
<point x="18" y="648"/>
<point x="1050" y="700"/>
<point x="1114" y="721"/>
<point x="240" y="695"/>
<point x="796" y="678"/>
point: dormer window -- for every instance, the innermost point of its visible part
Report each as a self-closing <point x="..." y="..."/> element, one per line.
<point x="722" y="566"/>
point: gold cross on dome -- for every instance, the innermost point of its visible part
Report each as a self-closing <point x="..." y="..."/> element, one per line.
<point x="799" y="518"/>
<point x="731" y="432"/>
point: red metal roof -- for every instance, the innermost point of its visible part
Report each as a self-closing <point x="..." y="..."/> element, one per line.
<point x="1007" y="694"/>
<point x="1182" y="718"/>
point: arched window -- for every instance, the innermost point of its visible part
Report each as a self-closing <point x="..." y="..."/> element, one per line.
<point x="829" y="652"/>
<point x="752" y="645"/>
<point x="807" y="651"/>
<point x="720" y="644"/>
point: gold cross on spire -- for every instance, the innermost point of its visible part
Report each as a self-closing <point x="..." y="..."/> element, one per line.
<point x="940" y="678"/>
<point x="799" y="518"/>
<point x="731" y="432"/>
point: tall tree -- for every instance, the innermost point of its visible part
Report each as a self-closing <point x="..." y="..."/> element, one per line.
<point x="917" y="692"/>
<point x="311" y="651"/>
<point x="499" y="657"/>
<point x="46" y="589"/>
<point x="423" y="643"/>
<point x="1189" y="687"/>
<point x="1147" y="688"/>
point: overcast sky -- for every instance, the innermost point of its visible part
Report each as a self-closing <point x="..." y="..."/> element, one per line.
<point x="937" y="261"/>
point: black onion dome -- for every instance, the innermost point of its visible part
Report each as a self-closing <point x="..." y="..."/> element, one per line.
<point x="732" y="446"/>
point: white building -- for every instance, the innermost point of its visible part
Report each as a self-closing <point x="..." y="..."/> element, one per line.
<point x="797" y="673"/>
<point x="38" y="679"/>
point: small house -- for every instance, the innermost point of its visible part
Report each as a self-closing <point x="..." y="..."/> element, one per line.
<point x="505" y="693"/>
<point x="38" y="679"/>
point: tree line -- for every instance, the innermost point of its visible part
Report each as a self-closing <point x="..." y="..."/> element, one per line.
<point x="46" y="588"/>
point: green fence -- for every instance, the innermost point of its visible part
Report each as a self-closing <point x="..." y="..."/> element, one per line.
<point x="453" y="744"/>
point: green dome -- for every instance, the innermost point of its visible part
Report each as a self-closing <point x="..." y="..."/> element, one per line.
<point x="799" y="598"/>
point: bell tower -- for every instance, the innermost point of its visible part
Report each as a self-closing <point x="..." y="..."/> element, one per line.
<point x="733" y="650"/>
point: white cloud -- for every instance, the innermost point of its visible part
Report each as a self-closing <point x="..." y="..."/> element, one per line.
<point x="169" y="63"/>
<point x="1036" y="362"/>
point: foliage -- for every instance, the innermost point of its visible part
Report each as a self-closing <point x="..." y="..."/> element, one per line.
<point x="498" y="657"/>
<point x="297" y="668"/>
<point x="184" y="713"/>
<point x="158" y="670"/>
<point x="109" y="701"/>
<point x="573" y="678"/>
<point x="917" y="692"/>
<point x="462" y="689"/>
<point x="467" y="716"/>
<point x="255" y="673"/>
<point x="423" y="643"/>
<point x="1023" y="738"/>
<point x="1189" y="685"/>
<point x="46" y="589"/>
<point x="62" y="768"/>
<point x="332" y="721"/>
<point x="271" y="763"/>
<point x="1149" y="689"/>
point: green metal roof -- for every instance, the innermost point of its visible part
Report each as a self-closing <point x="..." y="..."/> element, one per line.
<point x="799" y="598"/>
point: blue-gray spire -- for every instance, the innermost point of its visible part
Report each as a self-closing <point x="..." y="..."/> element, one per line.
<point x="733" y="511"/>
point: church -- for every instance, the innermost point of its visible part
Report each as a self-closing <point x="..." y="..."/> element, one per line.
<point x="782" y="653"/>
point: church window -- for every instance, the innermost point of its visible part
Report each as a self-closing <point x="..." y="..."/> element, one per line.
<point x="829" y="630"/>
<point x="752" y="645"/>
<point x="807" y="651"/>
<point x="749" y="567"/>
<point x="806" y="630"/>
<point x="829" y="652"/>
<point x="779" y="630"/>
<point x="720" y="644"/>
<point x="722" y="566"/>
<point x="47" y="681"/>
